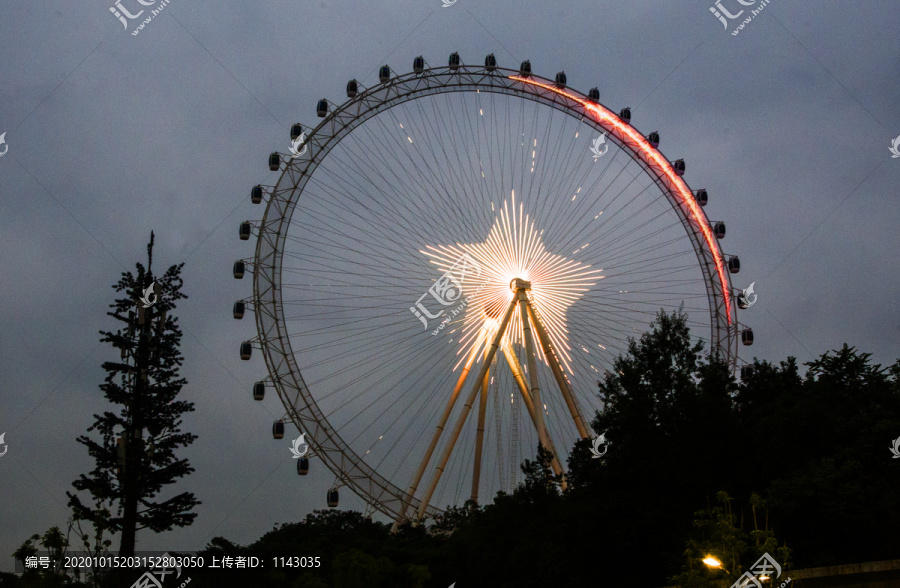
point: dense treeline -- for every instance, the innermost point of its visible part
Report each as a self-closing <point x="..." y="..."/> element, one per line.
<point x="698" y="463"/>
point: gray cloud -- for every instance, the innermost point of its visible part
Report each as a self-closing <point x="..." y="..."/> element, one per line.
<point x="787" y="125"/>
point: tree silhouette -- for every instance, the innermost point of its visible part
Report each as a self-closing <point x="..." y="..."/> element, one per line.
<point x="131" y="470"/>
<point x="818" y="446"/>
<point x="698" y="465"/>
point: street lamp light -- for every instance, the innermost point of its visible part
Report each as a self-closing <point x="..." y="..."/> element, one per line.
<point x="715" y="563"/>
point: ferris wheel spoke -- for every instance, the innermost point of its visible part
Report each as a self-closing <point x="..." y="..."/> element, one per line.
<point x="612" y="337"/>
<point x="543" y="177"/>
<point x="555" y="180"/>
<point x="602" y="194"/>
<point x="610" y="327"/>
<point x="452" y="171"/>
<point x="647" y="266"/>
<point x="627" y="248"/>
<point x="397" y="197"/>
<point x="321" y="265"/>
<point x="434" y="183"/>
<point x="393" y="352"/>
<point x="388" y="403"/>
<point x="438" y="378"/>
<point x="361" y="190"/>
<point x="492" y="179"/>
<point x="575" y="215"/>
<point x="463" y="174"/>
<point x="418" y="183"/>
<point x="626" y="251"/>
<point x="359" y="335"/>
<point x="382" y="239"/>
<point x="384" y="216"/>
<point x="609" y="232"/>
<point x="330" y="245"/>
<point x="326" y="361"/>
<point x="318" y="272"/>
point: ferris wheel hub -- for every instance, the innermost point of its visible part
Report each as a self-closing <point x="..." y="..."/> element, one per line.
<point x="519" y="284"/>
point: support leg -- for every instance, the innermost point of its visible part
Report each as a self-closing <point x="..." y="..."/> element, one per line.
<point x="553" y="360"/>
<point x="531" y="358"/>
<point x="451" y="402"/>
<point x="479" y="437"/>
<point x="448" y="450"/>
<point x="519" y="377"/>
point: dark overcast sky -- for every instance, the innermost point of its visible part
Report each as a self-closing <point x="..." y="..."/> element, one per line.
<point x="110" y="135"/>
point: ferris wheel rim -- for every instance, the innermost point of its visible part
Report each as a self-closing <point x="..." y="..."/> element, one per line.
<point x="402" y="88"/>
<point x="284" y="372"/>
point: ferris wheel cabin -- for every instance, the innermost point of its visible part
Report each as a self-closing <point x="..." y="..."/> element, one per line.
<point x="332" y="498"/>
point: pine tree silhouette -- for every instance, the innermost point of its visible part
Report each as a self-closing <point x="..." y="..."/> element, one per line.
<point x="135" y="455"/>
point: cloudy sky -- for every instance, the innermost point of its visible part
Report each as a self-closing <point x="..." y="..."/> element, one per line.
<point x="110" y="135"/>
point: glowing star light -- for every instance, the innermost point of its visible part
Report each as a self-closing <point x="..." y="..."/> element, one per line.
<point x="514" y="249"/>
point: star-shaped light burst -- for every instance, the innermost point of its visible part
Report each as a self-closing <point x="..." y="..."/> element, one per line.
<point x="514" y="249"/>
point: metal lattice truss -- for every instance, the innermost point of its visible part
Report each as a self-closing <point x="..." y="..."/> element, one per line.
<point x="273" y="338"/>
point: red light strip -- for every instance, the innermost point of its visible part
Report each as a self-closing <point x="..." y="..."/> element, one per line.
<point x="653" y="158"/>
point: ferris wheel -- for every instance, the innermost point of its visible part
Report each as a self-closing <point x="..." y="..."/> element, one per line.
<point x="450" y="260"/>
